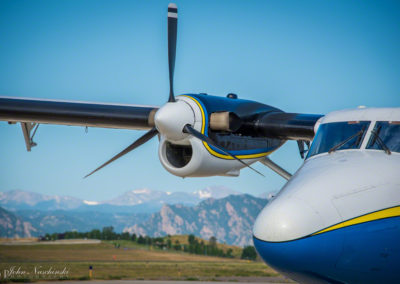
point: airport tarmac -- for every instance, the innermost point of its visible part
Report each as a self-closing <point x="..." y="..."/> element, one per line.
<point x="260" y="280"/>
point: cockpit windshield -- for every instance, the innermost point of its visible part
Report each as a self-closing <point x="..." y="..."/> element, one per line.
<point x="337" y="136"/>
<point x="386" y="135"/>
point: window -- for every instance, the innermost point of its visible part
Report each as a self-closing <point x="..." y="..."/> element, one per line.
<point x="388" y="133"/>
<point x="338" y="136"/>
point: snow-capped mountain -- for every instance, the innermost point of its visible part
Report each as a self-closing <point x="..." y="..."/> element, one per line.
<point x="19" y="200"/>
<point x="230" y="219"/>
<point x="217" y="211"/>
<point x="215" y="192"/>
<point x="142" y="196"/>
<point x="137" y="201"/>
<point x="87" y="202"/>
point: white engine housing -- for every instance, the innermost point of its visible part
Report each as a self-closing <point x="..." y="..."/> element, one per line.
<point x="191" y="157"/>
<point x="199" y="164"/>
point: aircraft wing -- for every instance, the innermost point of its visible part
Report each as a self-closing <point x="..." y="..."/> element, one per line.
<point x="39" y="111"/>
<point x="287" y="126"/>
<point x="230" y="116"/>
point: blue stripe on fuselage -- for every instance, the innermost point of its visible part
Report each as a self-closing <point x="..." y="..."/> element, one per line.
<point x="362" y="253"/>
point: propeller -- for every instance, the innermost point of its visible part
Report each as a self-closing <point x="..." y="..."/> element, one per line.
<point x="146" y="137"/>
<point x="174" y="118"/>
<point x="190" y="130"/>
<point x="172" y="34"/>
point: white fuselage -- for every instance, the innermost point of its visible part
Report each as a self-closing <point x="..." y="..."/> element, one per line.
<point x="338" y="217"/>
<point x="329" y="189"/>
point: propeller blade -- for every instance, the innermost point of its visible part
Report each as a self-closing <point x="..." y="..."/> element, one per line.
<point x="190" y="130"/>
<point x="172" y="33"/>
<point x="146" y="137"/>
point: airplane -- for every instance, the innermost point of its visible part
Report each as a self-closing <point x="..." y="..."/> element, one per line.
<point x="336" y="220"/>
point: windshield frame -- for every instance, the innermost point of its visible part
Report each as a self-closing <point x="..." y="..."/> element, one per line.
<point x="377" y="128"/>
<point x="323" y="132"/>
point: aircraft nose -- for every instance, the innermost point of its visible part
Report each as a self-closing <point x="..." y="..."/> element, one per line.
<point x="283" y="237"/>
<point x="286" y="220"/>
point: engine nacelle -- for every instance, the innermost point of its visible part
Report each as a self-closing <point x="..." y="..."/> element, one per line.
<point x="191" y="157"/>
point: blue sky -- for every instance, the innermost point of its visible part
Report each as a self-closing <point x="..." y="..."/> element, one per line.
<point x="309" y="57"/>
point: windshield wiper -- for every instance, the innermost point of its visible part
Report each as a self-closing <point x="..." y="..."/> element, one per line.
<point x="359" y="133"/>
<point x="380" y="142"/>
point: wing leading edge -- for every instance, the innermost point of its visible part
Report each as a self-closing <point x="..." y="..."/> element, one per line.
<point x="77" y="113"/>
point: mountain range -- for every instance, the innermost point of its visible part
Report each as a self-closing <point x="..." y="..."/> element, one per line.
<point x="134" y="201"/>
<point x="219" y="212"/>
<point x="13" y="226"/>
<point x="229" y="219"/>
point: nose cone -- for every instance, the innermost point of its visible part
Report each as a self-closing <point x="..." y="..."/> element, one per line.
<point x="282" y="239"/>
<point x="172" y="117"/>
<point x="285" y="220"/>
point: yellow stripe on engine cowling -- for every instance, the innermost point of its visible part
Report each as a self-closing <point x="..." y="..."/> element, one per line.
<point x="222" y="156"/>
<point x="382" y="214"/>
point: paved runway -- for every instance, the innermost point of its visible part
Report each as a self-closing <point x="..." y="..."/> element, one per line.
<point x="273" y="281"/>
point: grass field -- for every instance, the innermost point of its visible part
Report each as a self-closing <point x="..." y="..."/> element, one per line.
<point x="183" y="239"/>
<point x="130" y="261"/>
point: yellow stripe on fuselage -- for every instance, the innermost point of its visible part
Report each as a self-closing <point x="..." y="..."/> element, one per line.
<point x="382" y="214"/>
<point x="203" y="124"/>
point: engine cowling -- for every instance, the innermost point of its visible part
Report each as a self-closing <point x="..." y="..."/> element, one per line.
<point x="192" y="159"/>
<point x="187" y="156"/>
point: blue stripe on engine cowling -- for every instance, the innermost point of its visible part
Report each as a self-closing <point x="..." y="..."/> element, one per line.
<point x="363" y="253"/>
<point x="234" y="152"/>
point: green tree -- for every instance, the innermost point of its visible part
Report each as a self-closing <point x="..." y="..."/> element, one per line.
<point x="108" y="233"/>
<point x="95" y="234"/>
<point x="249" y="252"/>
<point x="141" y="240"/>
<point x="213" y="241"/>
<point x="148" y="240"/>
<point x="229" y="253"/>
<point x="177" y="245"/>
<point x="191" y="239"/>
<point x="197" y="248"/>
<point x="125" y="236"/>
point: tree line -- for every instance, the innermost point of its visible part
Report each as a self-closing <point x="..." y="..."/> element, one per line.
<point x="193" y="245"/>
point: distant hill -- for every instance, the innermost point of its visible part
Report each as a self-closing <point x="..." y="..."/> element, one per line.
<point x="213" y="211"/>
<point x="21" y="200"/>
<point x="134" y="201"/>
<point x="59" y="221"/>
<point x="215" y="192"/>
<point x="12" y="226"/>
<point x="154" y="197"/>
<point x="229" y="219"/>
